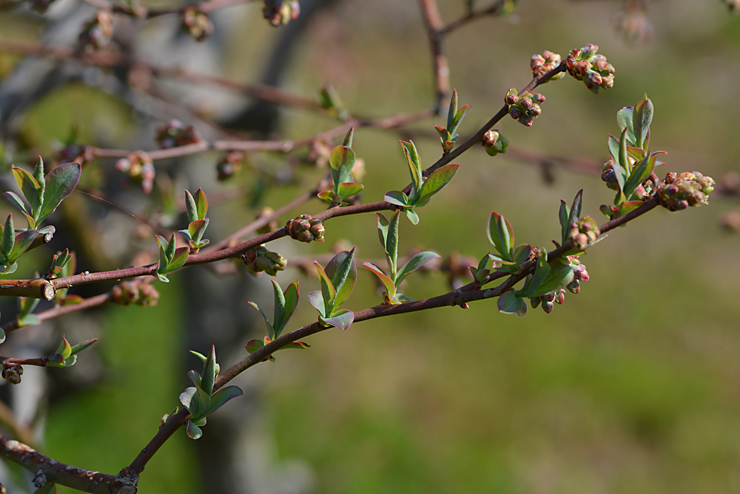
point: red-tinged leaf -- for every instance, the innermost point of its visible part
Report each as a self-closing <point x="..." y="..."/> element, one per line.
<point x="60" y="182"/>
<point x="83" y="345"/>
<point x="194" y="377"/>
<point x="296" y="345"/>
<point x="436" y="181"/>
<point x="197" y="228"/>
<point x="181" y="255"/>
<point x="201" y="204"/>
<point x="64" y="349"/>
<point x="509" y="303"/>
<point x="209" y="372"/>
<point x="641" y="173"/>
<point x="343" y="273"/>
<point x="223" y="395"/>
<point x="326" y="196"/>
<point x="193" y="430"/>
<point x="8" y="238"/>
<point x="341" y="319"/>
<point x="415" y="263"/>
<point x="501" y="235"/>
<point x="341" y="160"/>
<point x="387" y="281"/>
<point x="397" y="198"/>
<point x="30" y="188"/>
<point x="15" y="201"/>
<point x="22" y="242"/>
<point x="452" y="110"/>
<point x="348" y="189"/>
<point x="316" y="299"/>
<point x="252" y="346"/>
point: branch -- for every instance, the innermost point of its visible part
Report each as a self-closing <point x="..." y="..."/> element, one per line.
<point x="433" y="24"/>
<point x="494" y="9"/>
<point x="48" y="470"/>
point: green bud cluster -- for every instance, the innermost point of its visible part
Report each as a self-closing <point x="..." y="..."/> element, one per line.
<point x="306" y="229"/>
<point x="542" y="64"/>
<point x="494" y="142"/>
<point x="261" y="259"/>
<point x="678" y="192"/>
<point x="584" y="233"/>
<point x="585" y="65"/>
<point x="524" y="107"/>
<point x="196" y="23"/>
<point x="96" y="32"/>
<point x="174" y="133"/>
<point x="12" y="372"/>
<point x="136" y="293"/>
<point x="140" y="168"/>
<point x="280" y="12"/>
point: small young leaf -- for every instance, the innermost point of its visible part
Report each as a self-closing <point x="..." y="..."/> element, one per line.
<point x="209" y="372"/>
<point x="625" y="122"/>
<point x="563" y="216"/>
<point x="452" y="110"/>
<point x="60" y="182"/>
<point x="328" y="292"/>
<point x="22" y="242"/>
<point x="641" y="173"/>
<point x="343" y="273"/>
<point x="391" y="243"/>
<point x="341" y="160"/>
<point x="412" y="216"/>
<point x="397" y="198"/>
<point x="64" y="349"/>
<point x="387" y="282"/>
<point x="223" y="395"/>
<point x="30" y="188"/>
<point x="642" y="117"/>
<point x="542" y="270"/>
<point x="509" y="303"/>
<point x="193" y="430"/>
<point x="415" y="263"/>
<point x="15" y="201"/>
<point x="190" y="208"/>
<point x="341" y="319"/>
<point x="414" y="164"/>
<point x="348" y="189"/>
<point x="435" y="182"/>
<point x="558" y="277"/>
<point x="201" y="203"/>
<point x="501" y="235"/>
<point x="254" y="345"/>
<point x="316" y="299"/>
<point x="8" y="238"/>
<point x="82" y="346"/>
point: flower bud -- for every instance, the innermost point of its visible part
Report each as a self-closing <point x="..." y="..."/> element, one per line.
<point x="12" y="372"/>
<point x="174" y="133"/>
<point x="261" y="259"/>
<point x="280" y="12"/>
<point x="547" y="306"/>
<point x="196" y="23"/>
<point x="306" y="229"/>
<point x="574" y="287"/>
<point x="494" y="142"/>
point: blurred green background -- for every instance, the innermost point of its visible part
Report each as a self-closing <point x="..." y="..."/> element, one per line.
<point x="631" y="387"/>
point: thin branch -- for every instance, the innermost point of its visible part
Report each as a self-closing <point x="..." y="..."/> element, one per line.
<point x="434" y="25"/>
<point x="145" y="13"/>
<point x="48" y="470"/>
<point x="62" y="310"/>
<point x="494" y="9"/>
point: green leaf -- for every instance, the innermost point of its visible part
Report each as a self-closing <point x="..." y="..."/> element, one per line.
<point x="254" y="345"/>
<point x="22" y="242"/>
<point x="328" y="292"/>
<point x="190" y="207"/>
<point x="558" y="277"/>
<point x="412" y="216"/>
<point x="179" y="258"/>
<point x="509" y="303"/>
<point x="291" y="294"/>
<point x="387" y="282"/>
<point x="642" y="117"/>
<point x="26" y="305"/>
<point x="196" y="230"/>
<point x="270" y="330"/>
<point x="223" y="395"/>
<point x="279" y="311"/>
<point x="563" y="216"/>
<point x="326" y="196"/>
<point x="15" y="201"/>
<point x="341" y="160"/>
<point x="8" y="238"/>
<point x="391" y="244"/>
<point x="343" y="273"/>
<point x="623" y="155"/>
<point x="613" y="144"/>
<point x="452" y="111"/>
<point x="201" y="203"/>
<point x="383" y="225"/>
<point x="209" y="372"/>
<point x="397" y="198"/>
<point x="60" y="182"/>
<point x="541" y="271"/>
<point x="348" y="189"/>
<point x="83" y="346"/>
<point x="625" y="122"/>
<point x="414" y="164"/>
<point x="38" y="174"/>
<point x="435" y="182"/>
<point x="415" y="263"/>
<point x="348" y="138"/>
<point x="30" y="188"/>
<point x="64" y="349"/>
<point x="573" y="215"/>
<point x="193" y="430"/>
<point x="316" y="299"/>
<point x="501" y="235"/>
<point x="341" y="319"/>
<point x="641" y="173"/>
